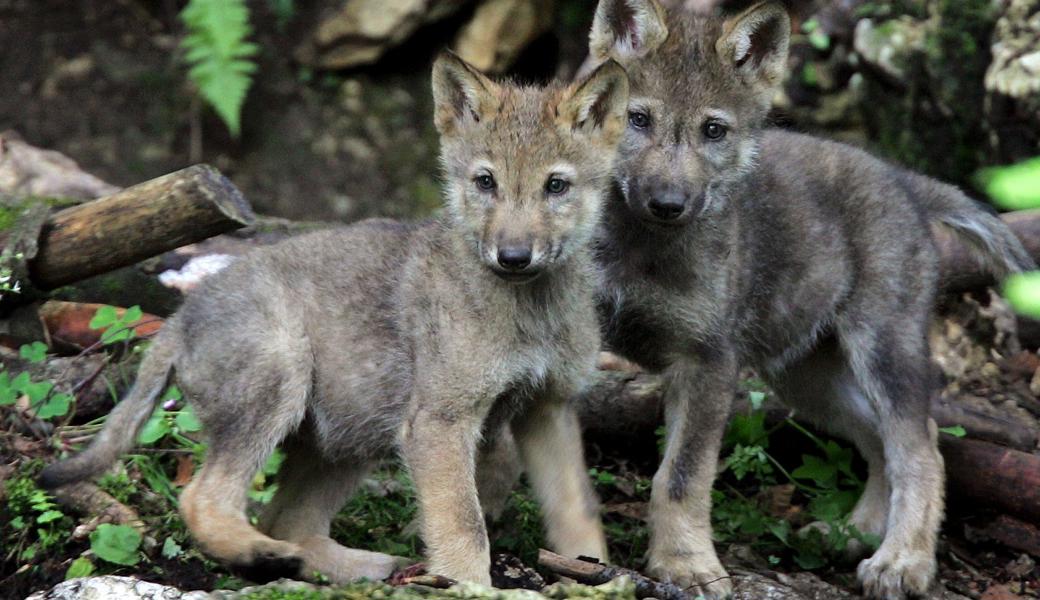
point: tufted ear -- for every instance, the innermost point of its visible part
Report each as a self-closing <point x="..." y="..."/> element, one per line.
<point x="626" y="29"/>
<point x="597" y="106"/>
<point x="756" y="43"/>
<point x="461" y="94"/>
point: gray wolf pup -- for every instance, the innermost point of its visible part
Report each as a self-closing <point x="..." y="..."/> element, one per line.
<point x="352" y="345"/>
<point x="729" y="244"/>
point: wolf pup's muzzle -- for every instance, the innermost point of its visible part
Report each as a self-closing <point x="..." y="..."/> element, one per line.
<point x="667" y="203"/>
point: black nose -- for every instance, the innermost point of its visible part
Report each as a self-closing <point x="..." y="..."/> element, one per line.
<point x="667" y="204"/>
<point x="514" y="258"/>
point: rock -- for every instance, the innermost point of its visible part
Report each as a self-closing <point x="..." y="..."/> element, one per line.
<point x="501" y="29"/>
<point x="1015" y="70"/>
<point x="359" y="32"/>
<point x="888" y="47"/>
<point x="111" y="587"/>
<point x="26" y="171"/>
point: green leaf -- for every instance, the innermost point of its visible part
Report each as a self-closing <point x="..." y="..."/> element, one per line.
<point x="155" y="429"/>
<point x="48" y="516"/>
<point x="187" y="421"/>
<point x="37" y="391"/>
<point x="104" y="317"/>
<point x="817" y="469"/>
<point x="171" y="549"/>
<point x="35" y="352"/>
<point x="116" y="544"/>
<point x="8" y="393"/>
<point x="1022" y="290"/>
<point x="132" y="315"/>
<point x="81" y="567"/>
<point x="217" y="49"/>
<point x="955" y="431"/>
<point x="171" y="393"/>
<point x="1013" y="187"/>
<point x="56" y="406"/>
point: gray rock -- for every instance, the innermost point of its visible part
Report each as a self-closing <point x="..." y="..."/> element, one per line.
<point x="111" y="587"/>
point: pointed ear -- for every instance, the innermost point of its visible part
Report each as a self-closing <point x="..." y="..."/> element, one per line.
<point x="461" y="94"/>
<point x="597" y="106"/>
<point x="626" y="29"/>
<point x="756" y="43"/>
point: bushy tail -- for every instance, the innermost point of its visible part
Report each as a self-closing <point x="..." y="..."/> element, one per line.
<point x="124" y="422"/>
<point x="989" y="238"/>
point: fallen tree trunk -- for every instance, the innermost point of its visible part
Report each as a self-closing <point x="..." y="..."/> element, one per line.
<point x="625" y="404"/>
<point x="1004" y="479"/>
<point x="139" y="222"/>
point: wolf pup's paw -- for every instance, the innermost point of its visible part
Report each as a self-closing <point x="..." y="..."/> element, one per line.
<point x="897" y="575"/>
<point x="702" y="575"/>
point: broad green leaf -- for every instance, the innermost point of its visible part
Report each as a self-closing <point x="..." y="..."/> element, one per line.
<point x="116" y="544"/>
<point x="817" y="469"/>
<point x="1013" y="187"/>
<point x="132" y="315"/>
<point x="171" y="393"/>
<point x="105" y="316"/>
<point x="48" y="516"/>
<point x="8" y="393"/>
<point x="56" y="406"/>
<point x="35" y="352"/>
<point x="955" y="431"/>
<point x="37" y="391"/>
<point x="81" y="567"/>
<point x="1022" y="290"/>
<point x="187" y="421"/>
<point x="154" y="430"/>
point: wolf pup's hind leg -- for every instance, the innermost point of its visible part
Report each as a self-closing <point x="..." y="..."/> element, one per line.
<point x="891" y="365"/>
<point x="311" y="490"/>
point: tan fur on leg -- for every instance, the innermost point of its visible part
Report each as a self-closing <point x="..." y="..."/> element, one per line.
<point x="549" y="438"/>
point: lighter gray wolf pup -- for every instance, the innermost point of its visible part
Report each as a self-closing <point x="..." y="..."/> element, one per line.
<point x="729" y="244"/>
<point x="352" y="345"/>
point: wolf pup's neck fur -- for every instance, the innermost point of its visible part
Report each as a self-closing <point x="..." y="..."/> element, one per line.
<point x="352" y="345"/>
<point x="730" y="244"/>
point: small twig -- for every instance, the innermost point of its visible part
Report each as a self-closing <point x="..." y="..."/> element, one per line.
<point x="594" y="573"/>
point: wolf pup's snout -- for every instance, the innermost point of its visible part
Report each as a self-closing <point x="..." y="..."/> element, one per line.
<point x="514" y="257"/>
<point x="667" y="202"/>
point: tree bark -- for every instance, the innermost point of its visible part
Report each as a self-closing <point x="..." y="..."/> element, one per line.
<point x="1006" y="480"/>
<point x="139" y="222"/>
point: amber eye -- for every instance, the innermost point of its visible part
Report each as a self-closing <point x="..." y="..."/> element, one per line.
<point x="485" y="182"/>
<point x="713" y="130"/>
<point x="556" y="186"/>
<point x="639" y="119"/>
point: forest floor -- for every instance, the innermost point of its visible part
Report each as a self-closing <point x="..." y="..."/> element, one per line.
<point x="776" y="476"/>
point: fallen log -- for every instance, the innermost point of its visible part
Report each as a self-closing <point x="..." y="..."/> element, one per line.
<point x="1003" y="479"/>
<point x="961" y="272"/>
<point x="594" y="573"/>
<point x="139" y="222"/>
<point x="622" y="404"/>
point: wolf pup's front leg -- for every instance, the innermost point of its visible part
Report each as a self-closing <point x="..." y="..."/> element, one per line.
<point x="697" y="401"/>
<point x="549" y="439"/>
<point x="439" y="448"/>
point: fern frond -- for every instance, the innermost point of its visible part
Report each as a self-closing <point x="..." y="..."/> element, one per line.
<point x="219" y="55"/>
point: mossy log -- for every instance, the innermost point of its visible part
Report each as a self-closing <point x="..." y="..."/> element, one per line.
<point x="139" y="222"/>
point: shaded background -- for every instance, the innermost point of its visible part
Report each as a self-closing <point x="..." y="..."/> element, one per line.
<point x="337" y="125"/>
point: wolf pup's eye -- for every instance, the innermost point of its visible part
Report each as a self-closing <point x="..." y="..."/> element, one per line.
<point x="556" y="186"/>
<point x="485" y="182"/>
<point x="713" y="130"/>
<point x="639" y="119"/>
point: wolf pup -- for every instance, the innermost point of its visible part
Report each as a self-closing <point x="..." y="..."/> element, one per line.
<point x="351" y="345"/>
<point x="733" y="245"/>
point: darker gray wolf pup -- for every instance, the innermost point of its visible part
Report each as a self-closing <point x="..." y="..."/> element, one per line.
<point x="729" y="244"/>
<point x="352" y="345"/>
